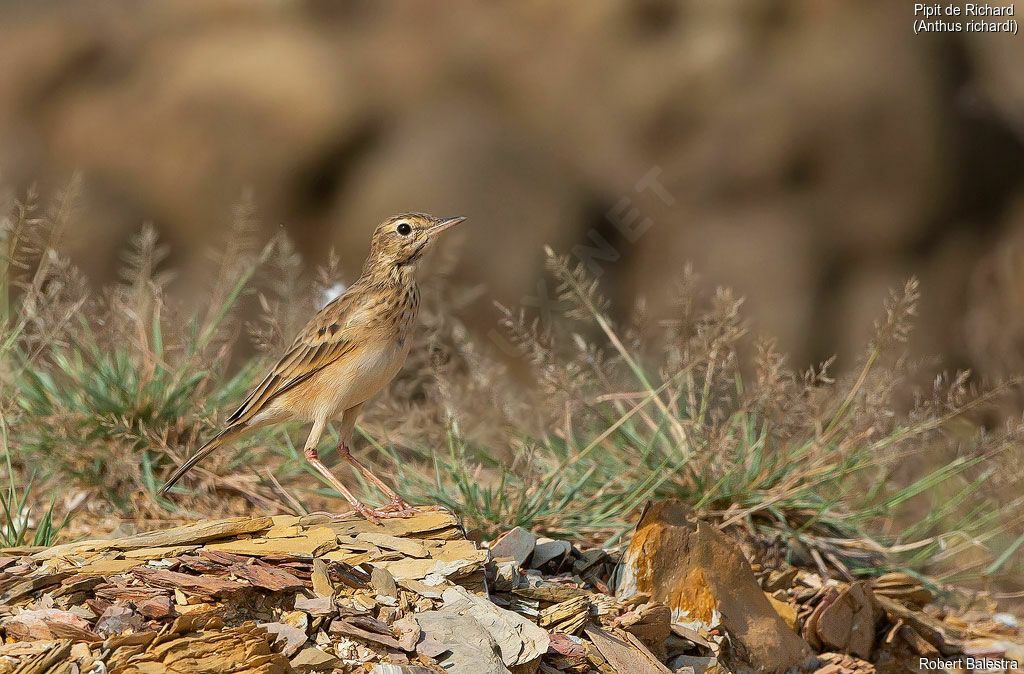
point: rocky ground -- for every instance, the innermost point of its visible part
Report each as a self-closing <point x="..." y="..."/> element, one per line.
<point x="312" y="593"/>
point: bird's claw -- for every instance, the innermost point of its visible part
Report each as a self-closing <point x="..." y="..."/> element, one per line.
<point x="395" y="506"/>
<point x="392" y="510"/>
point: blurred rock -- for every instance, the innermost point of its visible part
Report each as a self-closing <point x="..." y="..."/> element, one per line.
<point x="844" y="620"/>
<point x="806" y="170"/>
<point x="400" y="669"/>
<point x="841" y="663"/>
<point x="902" y="586"/>
<point x="697" y="664"/>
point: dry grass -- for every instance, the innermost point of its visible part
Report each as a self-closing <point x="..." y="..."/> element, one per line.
<point x="104" y="391"/>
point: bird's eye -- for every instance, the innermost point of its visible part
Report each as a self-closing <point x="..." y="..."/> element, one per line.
<point x="404" y="229"/>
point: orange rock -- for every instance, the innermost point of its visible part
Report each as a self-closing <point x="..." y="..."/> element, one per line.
<point x="697" y="571"/>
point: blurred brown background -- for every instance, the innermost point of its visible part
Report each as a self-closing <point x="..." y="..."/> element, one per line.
<point x="808" y="154"/>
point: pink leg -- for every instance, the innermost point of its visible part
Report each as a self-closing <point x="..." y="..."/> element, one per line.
<point x="396" y="507"/>
<point x="357" y="505"/>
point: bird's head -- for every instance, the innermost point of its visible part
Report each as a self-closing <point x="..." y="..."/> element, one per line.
<point x="401" y="241"/>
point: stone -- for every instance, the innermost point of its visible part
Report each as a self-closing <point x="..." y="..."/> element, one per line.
<point x="310" y="543"/>
<point x="297" y="619"/>
<point x="786" y="611"/>
<point x="316" y="606"/>
<point x="548" y="549"/>
<point x="400" y="669"/>
<point x="408" y="633"/>
<point x="436" y="524"/>
<point x="197" y="644"/>
<point x="697" y="665"/>
<point x="469" y="648"/>
<point x="349" y="628"/>
<point x="109" y="567"/>
<point x="625" y="656"/>
<point x="506" y="576"/>
<point x="567" y="617"/>
<point x="409" y="547"/>
<point x="156" y="608"/>
<point x="901" y="586"/>
<point x="383" y="582"/>
<point x="43" y="624"/>
<point x="290" y="637"/>
<point x="844" y="620"/>
<point x="118" y="619"/>
<point x="191" y="534"/>
<point x="204" y="586"/>
<point x="517" y="544"/>
<point x="520" y="641"/>
<point x="450" y="550"/>
<point x="698" y="571"/>
<point x="268" y="577"/>
<point x="650" y="623"/>
<point x="419" y="569"/>
<point x="312" y="659"/>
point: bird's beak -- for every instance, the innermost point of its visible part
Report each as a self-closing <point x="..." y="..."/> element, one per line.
<point x="443" y="225"/>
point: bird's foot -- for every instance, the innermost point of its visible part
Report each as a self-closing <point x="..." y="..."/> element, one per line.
<point x="396" y="505"/>
<point x="390" y="511"/>
<point x="399" y="508"/>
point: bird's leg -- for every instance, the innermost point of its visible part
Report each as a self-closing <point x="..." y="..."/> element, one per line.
<point x="314" y="460"/>
<point x="396" y="507"/>
<point x="357" y="505"/>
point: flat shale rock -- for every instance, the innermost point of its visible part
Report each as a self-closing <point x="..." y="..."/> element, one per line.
<point x="211" y="587"/>
<point x="548" y="549"/>
<point x="624" y="656"/>
<point x="433" y="524"/>
<point x="231" y="650"/>
<point x="50" y="623"/>
<point x="190" y="534"/>
<point x="468" y="648"/>
<point x="288" y="637"/>
<point x="306" y="544"/>
<point x="401" y="669"/>
<point x="517" y="543"/>
<point x="407" y="546"/>
<point x="699" y="665"/>
<point x="520" y="642"/>
<point x="161" y="598"/>
<point x="844" y="621"/>
<point x="696" y="571"/>
<point x="314" y="660"/>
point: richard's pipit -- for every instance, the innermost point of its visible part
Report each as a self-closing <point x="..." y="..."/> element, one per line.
<point x="347" y="353"/>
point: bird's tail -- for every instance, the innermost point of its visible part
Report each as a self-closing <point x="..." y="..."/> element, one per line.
<point x="227" y="435"/>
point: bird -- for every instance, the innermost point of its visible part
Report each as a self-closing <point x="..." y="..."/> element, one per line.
<point x="348" y="352"/>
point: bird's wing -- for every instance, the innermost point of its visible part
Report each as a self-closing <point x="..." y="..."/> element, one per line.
<point x="326" y="338"/>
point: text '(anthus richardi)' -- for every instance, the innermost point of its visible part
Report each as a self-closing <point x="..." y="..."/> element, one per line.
<point x="966" y="18"/>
